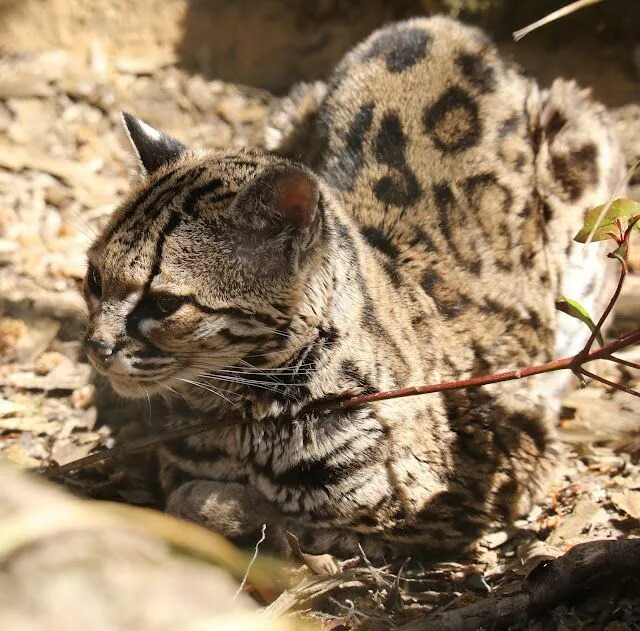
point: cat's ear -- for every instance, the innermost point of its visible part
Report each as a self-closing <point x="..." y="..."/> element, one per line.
<point x="286" y="193"/>
<point x="281" y="210"/>
<point x="153" y="148"/>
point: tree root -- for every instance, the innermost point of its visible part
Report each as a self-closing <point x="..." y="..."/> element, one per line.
<point x="583" y="567"/>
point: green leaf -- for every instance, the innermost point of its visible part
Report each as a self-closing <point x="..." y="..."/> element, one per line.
<point x="576" y="310"/>
<point x="623" y="209"/>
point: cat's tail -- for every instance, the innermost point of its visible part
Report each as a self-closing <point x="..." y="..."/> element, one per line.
<point x="579" y="165"/>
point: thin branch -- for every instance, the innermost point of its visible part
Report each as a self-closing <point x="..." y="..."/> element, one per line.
<point x="607" y="311"/>
<point x="607" y="382"/>
<point x="131" y="447"/>
<point x="623" y="362"/>
<point x="552" y="17"/>
<point x="571" y="363"/>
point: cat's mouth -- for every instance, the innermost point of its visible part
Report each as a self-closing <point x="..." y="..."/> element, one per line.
<point x="134" y="386"/>
<point x="131" y="383"/>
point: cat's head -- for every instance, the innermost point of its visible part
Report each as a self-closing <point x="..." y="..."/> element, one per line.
<point x="203" y="265"/>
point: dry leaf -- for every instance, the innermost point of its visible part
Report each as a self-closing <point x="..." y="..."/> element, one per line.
<point x="317" y="563"/>
<point x="16" y="454"/>
<point x="9" y="408"/>
<point x="64" y="377"/>
<point x="33" y="424"/>
<point x="628" y="502"/>
<point x="585" y="514"/>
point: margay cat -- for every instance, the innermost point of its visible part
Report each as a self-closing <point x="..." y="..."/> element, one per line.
<point x="423" y="238"/>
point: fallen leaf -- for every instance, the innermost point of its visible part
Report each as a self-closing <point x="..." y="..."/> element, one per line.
<point x="64" y="377"/>
<point x="65" y="451"/>
<point x="317" y="563"/>
<point x="628" y="502"/>
<point x="9" y="408"/>
<point x="34" y="424"/>
<point x="17" y="455"/>
<point x="585" y="514"/>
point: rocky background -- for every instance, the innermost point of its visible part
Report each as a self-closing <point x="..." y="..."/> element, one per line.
<point x="207" y="72"/>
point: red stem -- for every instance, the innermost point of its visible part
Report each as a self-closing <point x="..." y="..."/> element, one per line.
<point x="623" y="362"/>
<point x="613" y="384"/>
<point x="607" y="311"/>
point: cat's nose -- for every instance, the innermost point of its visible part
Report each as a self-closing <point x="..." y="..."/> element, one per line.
<point x="99" y="349"/>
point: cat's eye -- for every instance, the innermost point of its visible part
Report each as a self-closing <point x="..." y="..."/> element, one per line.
<point x="94" y="281"/>
<point x="160" y="305"/>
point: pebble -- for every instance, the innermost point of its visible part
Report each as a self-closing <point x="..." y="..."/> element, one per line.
<point x="48" y="361"/>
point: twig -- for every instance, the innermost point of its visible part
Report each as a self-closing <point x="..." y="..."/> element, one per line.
<point x="555" y="15"/>
<point x="263" y="536"/>
<point x="131" y="447"/>
<point x="623" y="362"/>
<point x="568" y="363"/>
<point x="607" y="311"/>
<point x="607" y="382"/>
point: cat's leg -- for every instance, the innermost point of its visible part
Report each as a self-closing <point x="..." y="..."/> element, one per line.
<point x="241" y="513"/>
<point x="234" y="510"/>
<point x="579" y="165"/>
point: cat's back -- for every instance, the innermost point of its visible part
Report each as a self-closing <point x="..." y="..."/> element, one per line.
<point x="462" y="175"/>
<point x="421" y="111"/>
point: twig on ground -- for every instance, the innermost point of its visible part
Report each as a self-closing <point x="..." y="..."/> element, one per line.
<point x="263" y="536"/>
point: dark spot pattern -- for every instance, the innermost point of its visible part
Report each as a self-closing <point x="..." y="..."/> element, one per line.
<point x="453" y="121"/>
<point x="509" y="126"/>
<point x="393" y="273"/>
<point x="576" y="171"/>
<point x="352" y="373"/>
<point x="400" y="47"/>
<point x="420" y="237"/>
<point x="429" y="281"/>
<point x="379" y="240"/>
<point x="443" y="196"/>
<point x="555" y="124"/>
<point x="342" y="172"/>
<point x="401" y="188"/>
<point x="451" y="215"/>
<point x="476" y="70"/>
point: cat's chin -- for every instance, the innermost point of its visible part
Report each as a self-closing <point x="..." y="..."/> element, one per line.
<point x="132" y="389"/>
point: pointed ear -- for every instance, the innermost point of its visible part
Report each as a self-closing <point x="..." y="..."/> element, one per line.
<point x="153" y="148"/>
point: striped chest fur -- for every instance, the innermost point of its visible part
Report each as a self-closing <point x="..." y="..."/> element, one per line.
<point x="421" y="234"/>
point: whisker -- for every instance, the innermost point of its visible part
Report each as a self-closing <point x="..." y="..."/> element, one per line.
<point x="208" y="389"/>
<point x="242" y="382"/>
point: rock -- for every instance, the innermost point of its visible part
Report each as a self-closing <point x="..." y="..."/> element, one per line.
<point x="66" y="376"/>
<point x="68" y="564"/>
<point x="83" y="397"/>
<point x="48" y="362"/>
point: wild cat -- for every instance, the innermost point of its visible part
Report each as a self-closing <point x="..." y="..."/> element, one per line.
<point x="420" y="233"/>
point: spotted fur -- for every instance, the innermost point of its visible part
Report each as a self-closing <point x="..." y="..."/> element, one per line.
<point x="422" y="236"/>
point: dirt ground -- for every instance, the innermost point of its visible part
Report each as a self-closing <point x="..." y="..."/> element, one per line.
<point x="63" y="165"/>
